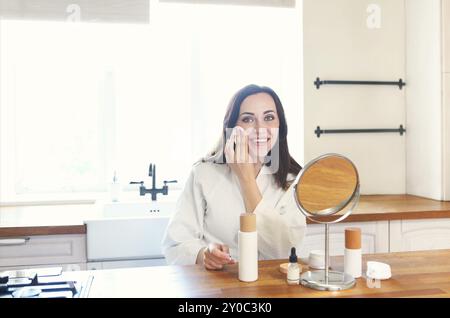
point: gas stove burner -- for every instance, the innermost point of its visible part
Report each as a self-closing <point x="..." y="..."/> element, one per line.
<point x="28" y="284"/>
<point x="26" y="292"/>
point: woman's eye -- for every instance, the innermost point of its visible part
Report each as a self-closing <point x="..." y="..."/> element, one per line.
<point x="269" y="117"/>
<point x="247" y="119"/>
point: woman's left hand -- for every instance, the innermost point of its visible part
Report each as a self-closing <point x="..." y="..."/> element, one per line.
<point x="238" y="158"/>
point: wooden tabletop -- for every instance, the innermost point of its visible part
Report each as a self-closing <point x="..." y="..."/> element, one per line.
<point x="414" y="274"/>
<point x="69" y="219"/>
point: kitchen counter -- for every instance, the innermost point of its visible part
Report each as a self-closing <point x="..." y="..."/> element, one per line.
<point x="414" y="274"/>
<point x="69" y="219"/>
<point x="45" y="219"/>
<point x="397" y="207"/>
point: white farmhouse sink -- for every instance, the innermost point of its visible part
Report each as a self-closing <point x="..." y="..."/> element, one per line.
<point x="137" y="209"/>
<point x="128" y="230"/>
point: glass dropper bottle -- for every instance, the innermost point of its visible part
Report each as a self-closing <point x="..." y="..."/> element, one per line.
<point x="293" y="270"/>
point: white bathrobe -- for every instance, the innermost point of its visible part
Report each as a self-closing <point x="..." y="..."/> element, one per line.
<point x="208" y="211"/>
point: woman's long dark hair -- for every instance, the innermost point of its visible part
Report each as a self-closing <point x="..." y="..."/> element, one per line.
<point x="287" y="164"/>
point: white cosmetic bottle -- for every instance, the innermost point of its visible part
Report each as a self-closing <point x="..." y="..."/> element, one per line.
<point x="248" y="248"/>
<point x="115" y="189"/>
<point x="352" y="256"/>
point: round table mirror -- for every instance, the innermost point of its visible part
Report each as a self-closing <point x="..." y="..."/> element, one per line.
<point x="326" y="191"/>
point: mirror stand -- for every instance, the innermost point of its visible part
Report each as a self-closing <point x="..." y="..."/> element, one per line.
<point x="326" y="186"/>
<point x="324" y="279"/>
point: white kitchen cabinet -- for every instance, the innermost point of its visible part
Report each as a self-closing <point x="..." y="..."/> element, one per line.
<point x="416" y="235"/>
<point x="446" y="129"/>
<point x="375" y="237"/>
<point x="68" y="251"/>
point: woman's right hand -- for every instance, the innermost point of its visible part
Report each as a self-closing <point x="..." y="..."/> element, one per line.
<point x="238" y="156"/>
<point x="215" y="256"/>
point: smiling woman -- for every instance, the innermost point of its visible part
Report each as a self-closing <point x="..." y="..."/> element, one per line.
<point x="259" y="112"/>
<point x="250" y="171"/>
<point x="79" y="101"/>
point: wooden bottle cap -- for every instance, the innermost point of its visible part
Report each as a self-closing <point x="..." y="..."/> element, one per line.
<point x="353" y="238"/>
<point x="248" y="222"/>
<point x="284" y="268"/>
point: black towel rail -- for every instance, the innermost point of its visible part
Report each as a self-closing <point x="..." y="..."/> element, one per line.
<point x="320" y="131"/>
<point x="320" y="82"/>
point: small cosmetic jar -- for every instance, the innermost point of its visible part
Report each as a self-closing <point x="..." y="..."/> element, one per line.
<point x="316" y="259"/>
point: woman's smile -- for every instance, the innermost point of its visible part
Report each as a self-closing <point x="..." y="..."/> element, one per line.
<point x="259" y="140"/>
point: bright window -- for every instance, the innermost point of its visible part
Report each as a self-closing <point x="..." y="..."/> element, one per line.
<point x="81" y="100"/>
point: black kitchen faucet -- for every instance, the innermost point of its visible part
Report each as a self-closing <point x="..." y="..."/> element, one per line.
<point x="153" y="191"/>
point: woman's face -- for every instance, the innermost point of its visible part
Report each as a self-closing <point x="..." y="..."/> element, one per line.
<point x="259" y="118"/>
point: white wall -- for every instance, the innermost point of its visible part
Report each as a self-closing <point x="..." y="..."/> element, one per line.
<point x="446" y="91"/>
<point x="424" y="162"/>
<point x="339" y="45"/>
